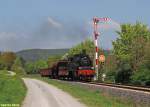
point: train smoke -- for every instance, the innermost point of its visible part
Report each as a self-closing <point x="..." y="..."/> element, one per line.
<point x="53" y="33"/>
<point x="50" y="33"/>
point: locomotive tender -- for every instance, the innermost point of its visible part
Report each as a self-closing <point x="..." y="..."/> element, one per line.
<point x="77" y="67"/>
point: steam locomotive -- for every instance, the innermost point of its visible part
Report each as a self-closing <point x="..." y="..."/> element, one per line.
<point x="77" y="67"/>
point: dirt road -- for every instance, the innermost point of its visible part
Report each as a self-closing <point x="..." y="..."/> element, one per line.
<point x="41" y="94"/>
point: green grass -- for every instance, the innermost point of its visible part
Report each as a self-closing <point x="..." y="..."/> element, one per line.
<point x="88" y="97"/>
<point x="12" y="89"/>
<point x="4" y="72"/>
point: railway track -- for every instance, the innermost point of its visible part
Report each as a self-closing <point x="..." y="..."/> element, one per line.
<point x="131" y="87"/>
<point x="136" y="94"/>
<point x="136" y="88"/>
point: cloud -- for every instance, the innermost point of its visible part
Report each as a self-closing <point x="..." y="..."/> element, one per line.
<point x="59" y="34"/>
<point x="54" y="23"/>
<point x="48" y="34"/>
<point x="53" y="33"/>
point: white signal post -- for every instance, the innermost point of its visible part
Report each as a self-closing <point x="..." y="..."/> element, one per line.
<point x="96" y="20"/>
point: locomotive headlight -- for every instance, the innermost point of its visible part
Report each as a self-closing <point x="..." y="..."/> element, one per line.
<point x="92" y="68"/>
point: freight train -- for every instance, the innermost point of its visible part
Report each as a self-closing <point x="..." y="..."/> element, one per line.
<point x="77" y="67"/>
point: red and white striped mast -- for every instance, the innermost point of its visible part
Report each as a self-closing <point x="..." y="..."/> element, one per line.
<point x="96" y="34"/>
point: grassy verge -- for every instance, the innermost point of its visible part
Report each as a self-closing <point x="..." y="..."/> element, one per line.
<point x="88" y="97"/>
<point x="12" y="89"/>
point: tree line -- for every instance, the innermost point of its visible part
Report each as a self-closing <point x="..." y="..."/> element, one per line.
<point x="11" y="62"/>
<point x="132" y="50"/>
<point x="127" y="63"/>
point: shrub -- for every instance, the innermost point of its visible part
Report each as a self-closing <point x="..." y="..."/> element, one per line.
<point x="141" y="77"/>
<point x="124" y="74"/>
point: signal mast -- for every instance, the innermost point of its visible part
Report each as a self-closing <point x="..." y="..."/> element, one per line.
<point x="96" y="20"/>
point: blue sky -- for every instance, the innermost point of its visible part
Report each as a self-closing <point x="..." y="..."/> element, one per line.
<point x="28" y="24"/>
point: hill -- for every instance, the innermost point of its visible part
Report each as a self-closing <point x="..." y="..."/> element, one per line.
<point x="37" y="54"/>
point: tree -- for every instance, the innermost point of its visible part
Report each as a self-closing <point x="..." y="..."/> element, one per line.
<point x="7" y="59"/>
<point x="142" y="76"/>
<point x="18" y="66"/>
<point x="128" y="48"/>
<point x="30" y="68"/>
<point x="34" y="67"/>
<point x="146" y="60"/>
<point x="40" y="64"/>
<point x="1" y="63"/>
<point x="110" y="68"/>
<point x="87" y="45"/>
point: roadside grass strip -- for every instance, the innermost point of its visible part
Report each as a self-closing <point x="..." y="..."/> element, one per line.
<point x="12" y="90"/>
<point x="89" y="97"/>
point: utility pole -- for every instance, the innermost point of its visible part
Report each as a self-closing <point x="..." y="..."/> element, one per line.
<point x="96" y="20"/>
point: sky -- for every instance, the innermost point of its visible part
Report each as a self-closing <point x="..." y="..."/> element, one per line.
<point x="50" y="24"/>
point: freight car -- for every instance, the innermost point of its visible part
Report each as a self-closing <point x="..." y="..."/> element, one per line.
<point x="47" y="72"/>
<point x="59" y="69"/>
<point x="63" y="69"/>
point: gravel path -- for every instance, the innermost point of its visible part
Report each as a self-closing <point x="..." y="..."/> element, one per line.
<point x="41" y="94"/>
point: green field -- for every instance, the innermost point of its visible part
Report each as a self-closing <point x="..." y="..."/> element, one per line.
<point x="12" y="89"/>
<point x="88" y="97"/>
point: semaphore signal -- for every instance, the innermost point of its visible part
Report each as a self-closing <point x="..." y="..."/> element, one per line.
<point x="96" y="20"/>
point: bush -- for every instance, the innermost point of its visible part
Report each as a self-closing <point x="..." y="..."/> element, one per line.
<point x="147" y="83"/>
<point x="141" y="77"/>
<point x="34" y="67"/>
<point x="124" y="74"/>
<point x="110" y="76"/>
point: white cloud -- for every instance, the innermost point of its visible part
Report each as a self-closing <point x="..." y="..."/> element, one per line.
<point x="49" y="34"/>
<point x="54" y="23"/>
<point x="54" y="34"/>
